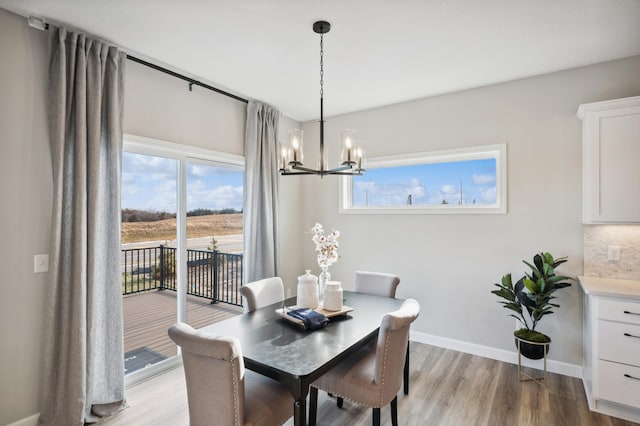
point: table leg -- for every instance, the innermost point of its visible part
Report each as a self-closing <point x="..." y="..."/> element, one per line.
<point x="300" y="412"/>
<point x="300" y="391"/>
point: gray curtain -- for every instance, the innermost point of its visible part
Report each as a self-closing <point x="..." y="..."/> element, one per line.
<point x="261" y="192"/>
<point x="83" y="346"/>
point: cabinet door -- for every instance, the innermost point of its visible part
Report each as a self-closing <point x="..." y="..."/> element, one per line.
<point x="611" y="161"/>
<point x="619" y="383"/>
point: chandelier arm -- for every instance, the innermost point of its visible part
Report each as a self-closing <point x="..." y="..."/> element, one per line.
<point x="289" y="172"/>
<point x="350" y="173"/>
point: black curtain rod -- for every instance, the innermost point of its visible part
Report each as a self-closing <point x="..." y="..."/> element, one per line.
<point x="185" y="78"/>
<point x="41" y="25"/>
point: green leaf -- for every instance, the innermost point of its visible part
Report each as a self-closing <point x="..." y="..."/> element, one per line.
<point x="536" y="271"/>
<point x="515" y="308"/>
<point x="562" y="285"/>
<point x="548" y="270"/>
<point x="506" y="281"/>
<point x="541" y="285"/>
<point x="519" y="286"/>
<point x="538" y="260"/>
<point x="530" y="285"/>
<point x="556" y="278"/>
<point x="559" y="261"/>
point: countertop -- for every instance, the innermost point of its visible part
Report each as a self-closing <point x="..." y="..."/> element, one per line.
<point x="612" y="287"/>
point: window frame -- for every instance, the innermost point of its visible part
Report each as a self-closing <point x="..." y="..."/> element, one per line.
<point x="158" y="147"/>
<point x="495" y="151"/>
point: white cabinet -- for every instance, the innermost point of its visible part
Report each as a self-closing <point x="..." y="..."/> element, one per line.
<point x="611" y="358"/>
<point x="611" y="161"/>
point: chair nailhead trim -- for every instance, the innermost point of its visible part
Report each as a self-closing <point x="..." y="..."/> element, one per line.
<point x="384" y="366"/>
<point x="236" y="409"/>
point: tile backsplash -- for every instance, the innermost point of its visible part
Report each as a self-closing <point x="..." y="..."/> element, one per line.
<point x="598" y="238"/>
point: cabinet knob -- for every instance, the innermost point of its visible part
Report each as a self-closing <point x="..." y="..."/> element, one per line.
<point x="631" y="313"/>
<point x="631" y="377"/>
<point x="631" y="335"/>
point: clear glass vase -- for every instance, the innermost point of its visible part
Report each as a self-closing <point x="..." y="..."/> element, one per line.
<point x="323" y="279"/>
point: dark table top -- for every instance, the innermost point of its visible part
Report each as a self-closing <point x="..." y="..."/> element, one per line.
<point x="273" y="346"/>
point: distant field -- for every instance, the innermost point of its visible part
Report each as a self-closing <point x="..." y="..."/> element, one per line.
<point x="197" y="226"/>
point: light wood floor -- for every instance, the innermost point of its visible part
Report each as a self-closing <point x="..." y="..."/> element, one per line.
<point x="447" y="388"/>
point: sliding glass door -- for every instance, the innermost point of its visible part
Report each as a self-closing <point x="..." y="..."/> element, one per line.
<point x="181" y="245"/>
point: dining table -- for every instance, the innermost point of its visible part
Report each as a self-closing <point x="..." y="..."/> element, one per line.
<point x="282" y="350"/>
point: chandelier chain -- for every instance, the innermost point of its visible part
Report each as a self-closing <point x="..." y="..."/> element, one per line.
<point x="321" y="66"/>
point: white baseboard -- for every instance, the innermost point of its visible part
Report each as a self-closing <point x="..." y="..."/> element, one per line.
<point x="27" y="421"/>
<point x="511" y="357"/>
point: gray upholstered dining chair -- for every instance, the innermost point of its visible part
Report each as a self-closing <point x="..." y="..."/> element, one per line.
<point x="262" y="293"/>
<point x="372" y="378"/>
<point x="378" y="283"/>
<point x="219" y="389"/>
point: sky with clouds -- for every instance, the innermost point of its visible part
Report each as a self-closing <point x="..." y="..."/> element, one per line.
<point x="428" y="184"/>
<point x="150" y="183"/>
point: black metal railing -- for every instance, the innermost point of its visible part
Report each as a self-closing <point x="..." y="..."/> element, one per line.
<point x="210" y="274"/>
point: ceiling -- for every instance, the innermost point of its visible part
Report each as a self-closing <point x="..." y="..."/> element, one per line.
<point x="378" y="52"/>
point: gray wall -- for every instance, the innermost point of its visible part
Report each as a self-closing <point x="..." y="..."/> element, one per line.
<point x="449" y="262"/>
<point x="25" y="194"/>
<point x="162" y="107"/>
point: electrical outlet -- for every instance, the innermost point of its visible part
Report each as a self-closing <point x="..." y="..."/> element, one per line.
<point x="613" y="253"/>
<point x="288" y="293"/>
<point x="40" y="263"/>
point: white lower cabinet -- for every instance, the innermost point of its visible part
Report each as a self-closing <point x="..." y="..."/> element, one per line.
<point x="616" y="383"/>
<point x="612" y="355"/>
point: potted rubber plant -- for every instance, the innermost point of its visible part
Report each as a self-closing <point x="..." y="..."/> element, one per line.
<point x="531" y="299"/>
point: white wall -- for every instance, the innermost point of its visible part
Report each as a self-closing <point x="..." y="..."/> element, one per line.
<point x="449" y="262"/>
<point x="25" y="194"/>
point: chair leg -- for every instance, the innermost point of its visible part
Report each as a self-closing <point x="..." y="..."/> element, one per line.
<point x="376" y="417"/>
<point x="394" y="411"/>
<point x="406" y="372"/>
<point x="340" y="402"/>
<point x="313" y="405"/>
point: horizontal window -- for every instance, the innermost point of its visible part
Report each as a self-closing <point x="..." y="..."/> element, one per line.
<point x="466" y="180"/>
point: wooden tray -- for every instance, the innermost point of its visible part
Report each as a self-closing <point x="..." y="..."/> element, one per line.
<point x="329" y="314"/>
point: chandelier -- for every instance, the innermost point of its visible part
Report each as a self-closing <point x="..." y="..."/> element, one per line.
<point x="291" y="156"/>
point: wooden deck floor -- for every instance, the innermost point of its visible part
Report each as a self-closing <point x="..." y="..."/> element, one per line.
<point x="148" y="316"/>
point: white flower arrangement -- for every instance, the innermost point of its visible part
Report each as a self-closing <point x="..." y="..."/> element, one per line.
<point x="326" y="245"/>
